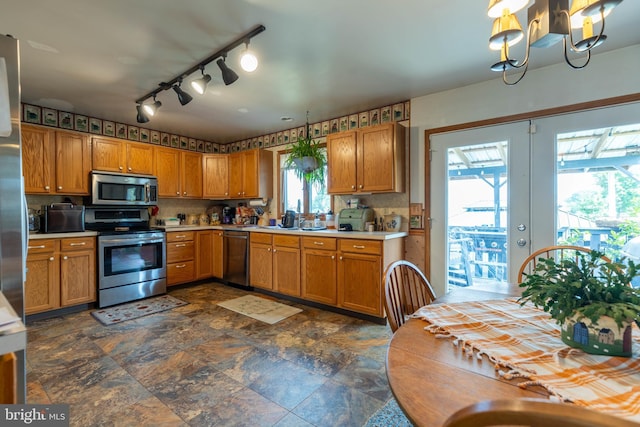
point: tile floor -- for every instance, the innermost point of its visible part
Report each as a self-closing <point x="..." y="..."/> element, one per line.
<point x="203" y="365"/>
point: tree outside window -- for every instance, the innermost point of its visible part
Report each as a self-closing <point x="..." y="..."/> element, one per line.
<point x="297" y="195"/>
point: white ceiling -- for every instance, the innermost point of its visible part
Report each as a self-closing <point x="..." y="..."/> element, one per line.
<point x="330" y="57"/>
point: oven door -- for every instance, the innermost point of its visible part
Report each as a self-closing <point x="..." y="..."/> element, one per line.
<point x="129" y="258"/>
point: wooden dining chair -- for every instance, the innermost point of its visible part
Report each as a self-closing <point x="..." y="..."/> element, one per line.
<point x="556" y="252"/>
<point x="406" y="290"/>
<point x="532" y="413"/>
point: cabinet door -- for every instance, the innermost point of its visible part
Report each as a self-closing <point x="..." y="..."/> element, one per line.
<point x="286" y="270"/>
<point x="139" y="158"/>
<point x="167" y="164"/>
<point x="261" y="266"/>
<point x="341" y="163"/>
<point x="108" y="155"/>
<point x="215" y="176"/>
<point x="191" y="174"/>
<point x="251" y="175"/>
<point x="359" y="283"/>
<point x="37" y="160"/>
<point x="376" y="158"/>
<point x="319" y="274"/>
<point x="218" y="256"/>
<point x="204" y="254"/>
<point x="77" y="277"/>
<point x="236" y="175"/>
<point x="73" y="163"/>
<point x="42" y="287"/>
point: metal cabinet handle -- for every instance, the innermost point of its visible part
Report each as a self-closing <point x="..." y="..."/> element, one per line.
<point x="226" y="193"/>
<point x="46" y="187"/>
<point x="36" y="247"/>
<point x="78" y="244"/>
<point x="353" y="187"/>
<point x="361" y="186"/>
<point x="177" y="193"/>
<point x="358" y="246"/>
<point x="318" y="243"/>
<point x="65" y="257"/>
<point x="51" y="259"/>
<point x="181" y="266"/>
<point x="184" y="193"/>
<point x="180" y="236"/>
<point x="333" y="257"/>
<point x="274" y="251"/>
<point x="60" y="187"/>
<point x="129" y="169"/>
<point x="180" y="245"/>
<point x="340" y="258"/>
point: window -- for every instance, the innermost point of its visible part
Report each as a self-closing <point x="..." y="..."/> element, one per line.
<point x="297" y="195"/>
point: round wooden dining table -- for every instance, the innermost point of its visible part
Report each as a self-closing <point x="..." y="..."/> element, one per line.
<point x="431" y="378"/>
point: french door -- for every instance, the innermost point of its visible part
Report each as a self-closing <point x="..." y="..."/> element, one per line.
<point x="499" y="193"/>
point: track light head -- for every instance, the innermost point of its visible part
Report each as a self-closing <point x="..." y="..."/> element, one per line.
<point x="142" y="117"/>
<point x="228" y="75"/>
<point x="200" y="85"/>
<point x="151" y="109"/>
<point x="248" y="60"/>
<point x="183" y="96"/>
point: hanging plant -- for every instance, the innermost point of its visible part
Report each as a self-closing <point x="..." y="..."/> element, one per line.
<point x="307" y="158"/>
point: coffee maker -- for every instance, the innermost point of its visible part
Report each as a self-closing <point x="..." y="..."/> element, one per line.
<point x="228" y="214"/>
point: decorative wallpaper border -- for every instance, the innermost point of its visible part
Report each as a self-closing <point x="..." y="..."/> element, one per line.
<point x="71" y="121"/>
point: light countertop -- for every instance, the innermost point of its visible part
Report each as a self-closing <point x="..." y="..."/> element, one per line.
<point x="38" y="236"/>
<point x="374" y="235"/>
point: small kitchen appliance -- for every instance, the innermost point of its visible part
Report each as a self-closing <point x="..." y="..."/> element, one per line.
<point x="355" y="219"/>
<point x="228" y="214"/>
<point x="62" y="218"/>
<point x="289" y="219"/>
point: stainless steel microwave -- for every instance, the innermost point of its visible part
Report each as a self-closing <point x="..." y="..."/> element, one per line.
<point x="123" y="190"/>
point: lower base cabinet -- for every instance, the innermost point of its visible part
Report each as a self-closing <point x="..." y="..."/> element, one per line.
<point x="60" y="273"/>
<point x="209" y="256"/>
<point x="275" y="263"/>
<point x="319" y="270"/>
<point x="180" y="257"/>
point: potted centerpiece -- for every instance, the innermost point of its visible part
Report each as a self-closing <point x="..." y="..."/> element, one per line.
<point x="590" y="298"/>
<point x="307" y="158"/>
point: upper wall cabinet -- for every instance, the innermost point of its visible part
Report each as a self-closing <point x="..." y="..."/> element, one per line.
<point x="367" y="160"/>
<point x="251" y="174"/>
<point x="55" y="162"/>
<point x="215" y="172"/>
<point x="179" y="173"/>
<point x="114" y="155"/>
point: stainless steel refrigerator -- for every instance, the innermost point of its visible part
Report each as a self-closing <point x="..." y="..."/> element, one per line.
<point x="13" y="221"/>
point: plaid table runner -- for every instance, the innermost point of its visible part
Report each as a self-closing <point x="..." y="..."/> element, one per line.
<point x="525" y="342"/>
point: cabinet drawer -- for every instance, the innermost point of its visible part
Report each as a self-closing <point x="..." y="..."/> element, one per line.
<point x="39" y="246"/>
<point x="260" y="238"/>
<point x="180" y="236"/>
<point x="361" y="246"/>
<point x="74" y="244"/>
<point x="327" y="243"/>
<point x="288" y="241"/>
<point x="180" y="251"/>
<point x="180" y="272"/>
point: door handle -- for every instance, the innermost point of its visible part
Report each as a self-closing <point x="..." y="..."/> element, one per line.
<point x="521" y="242"/>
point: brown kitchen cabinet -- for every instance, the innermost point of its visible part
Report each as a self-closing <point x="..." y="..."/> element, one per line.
<point x="60" y="273"/>
<point x="286" y="264"/>
<point x="180" y="257"/>
<point x="369" y="160"/>
<point x="115" y="155"/>
<point x="319" y="270"/>
<point x="209" y="257"/>
<point x="251" y="174"/>
<point x="215" y="176"/>
<point x="261" y="260"/>
<point x="55" y="161"/>
<point x="179" y="173"/>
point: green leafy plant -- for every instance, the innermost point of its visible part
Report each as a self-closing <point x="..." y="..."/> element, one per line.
<point x="587" y="286"/>
<point x="307" y="148"/>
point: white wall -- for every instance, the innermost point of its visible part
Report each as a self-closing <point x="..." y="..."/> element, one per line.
<point x="609" y="74"/>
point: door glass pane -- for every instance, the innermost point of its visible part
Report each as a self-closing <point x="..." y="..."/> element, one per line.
<point x="477" y="189"/>
<point x="598" y="189"/>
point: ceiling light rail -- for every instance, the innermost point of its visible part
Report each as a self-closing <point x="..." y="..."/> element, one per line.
<point x="549" y="21"/>
<point x="145" y="111"/>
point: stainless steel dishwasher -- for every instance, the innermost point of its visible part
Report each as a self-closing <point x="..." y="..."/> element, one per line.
<point x="236" y="257"/>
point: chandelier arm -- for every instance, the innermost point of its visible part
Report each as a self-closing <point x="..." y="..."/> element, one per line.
<point x="504" y="75"/>
<point x="568" y="61"/>
<point x="590" y="45"/>
<point x="514" y="63"/>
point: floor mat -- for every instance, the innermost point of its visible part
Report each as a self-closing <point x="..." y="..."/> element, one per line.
<point x="260" y="308"/>
<point x="134" y="310"/>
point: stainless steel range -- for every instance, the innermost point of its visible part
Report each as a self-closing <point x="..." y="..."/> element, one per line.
<point x="131" y="256"/>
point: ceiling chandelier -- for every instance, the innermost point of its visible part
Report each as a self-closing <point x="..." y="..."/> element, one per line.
<point x="549" y="21"/>
<point x="248" y="61"/>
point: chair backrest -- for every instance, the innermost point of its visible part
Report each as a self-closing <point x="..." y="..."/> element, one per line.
<point x="406" y="290"/>
<point x="556" y="252"/>
<point x="532" y="413"/>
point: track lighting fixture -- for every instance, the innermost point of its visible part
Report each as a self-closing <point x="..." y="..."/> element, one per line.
<point x="228" y="75"/>
<point x="200" y="85"/>
<point x="248" y="62"/>
<point x="183" y="96"/>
